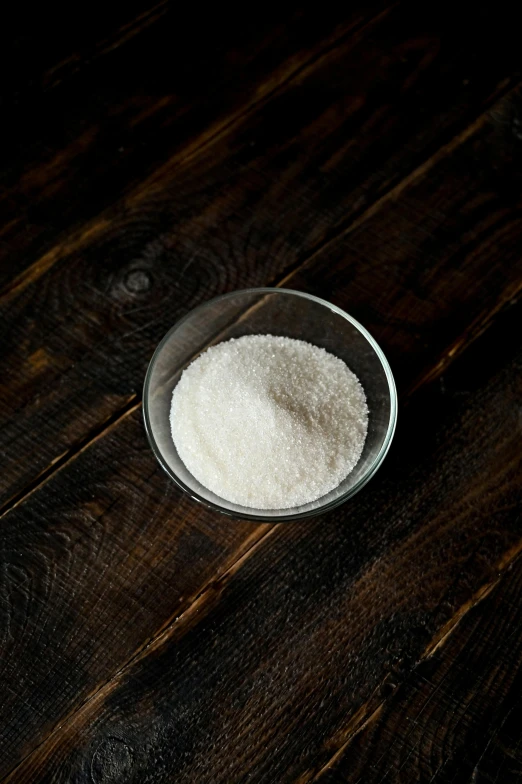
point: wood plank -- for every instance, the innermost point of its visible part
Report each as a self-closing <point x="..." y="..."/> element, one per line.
<point x="259" y="201"/>
<point x="124" y="489"/>
<point x="100" y="473"/>
<point x="170" y="86"/>
<point x="458" y="715"/>
<point x="266" y="684"/>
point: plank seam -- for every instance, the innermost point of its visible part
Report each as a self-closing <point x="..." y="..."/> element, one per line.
<point x="63" y="460"/>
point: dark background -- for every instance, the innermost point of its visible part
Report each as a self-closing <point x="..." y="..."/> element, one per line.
<point x="153" y="157"/>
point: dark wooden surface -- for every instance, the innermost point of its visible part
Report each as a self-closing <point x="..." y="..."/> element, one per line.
<point x="153" y="158"/>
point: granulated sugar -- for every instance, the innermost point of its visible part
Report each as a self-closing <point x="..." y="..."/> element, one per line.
<point x="269" y="422"/>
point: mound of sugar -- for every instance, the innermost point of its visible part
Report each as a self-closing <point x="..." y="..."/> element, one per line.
<point x="269" y="422"/>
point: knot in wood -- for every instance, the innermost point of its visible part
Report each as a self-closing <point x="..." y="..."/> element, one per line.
<point x="138" y="281"/>
<point x="112" y="762"/>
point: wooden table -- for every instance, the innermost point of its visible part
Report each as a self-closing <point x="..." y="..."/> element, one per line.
<point x="153" y="159"/>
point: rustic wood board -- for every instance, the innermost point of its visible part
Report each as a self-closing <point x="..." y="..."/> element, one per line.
<point x="264" y="198"/>
<point x="129" y="514"/>
<point x="372" y="159"/>
<point x="266" y="675"/>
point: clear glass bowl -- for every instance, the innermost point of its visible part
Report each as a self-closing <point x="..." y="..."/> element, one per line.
<point x="277" y="312"/>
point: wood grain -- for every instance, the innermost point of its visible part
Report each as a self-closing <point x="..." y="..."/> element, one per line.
<point x="141" y="525"/>
<point x="261" y="686"/>
<point x="457" y="717"/>
<point x="92" y="565"/>
<point x="261" y="200"/>
<point x="123" y="505"/>
<point x="180" y="631"/>
<point x="162" y="86"/>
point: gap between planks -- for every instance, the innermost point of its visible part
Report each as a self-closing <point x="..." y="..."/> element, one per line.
<point x="61" y="461"/>
<point x="206" y="139"/>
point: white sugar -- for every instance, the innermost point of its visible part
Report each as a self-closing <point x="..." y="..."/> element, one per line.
<point x="269" y="422"/>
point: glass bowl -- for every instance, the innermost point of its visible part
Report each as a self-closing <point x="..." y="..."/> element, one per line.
<point x="277" y="312"/>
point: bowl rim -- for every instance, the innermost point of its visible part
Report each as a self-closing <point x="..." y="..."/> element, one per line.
<point x="321" y="509"/>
